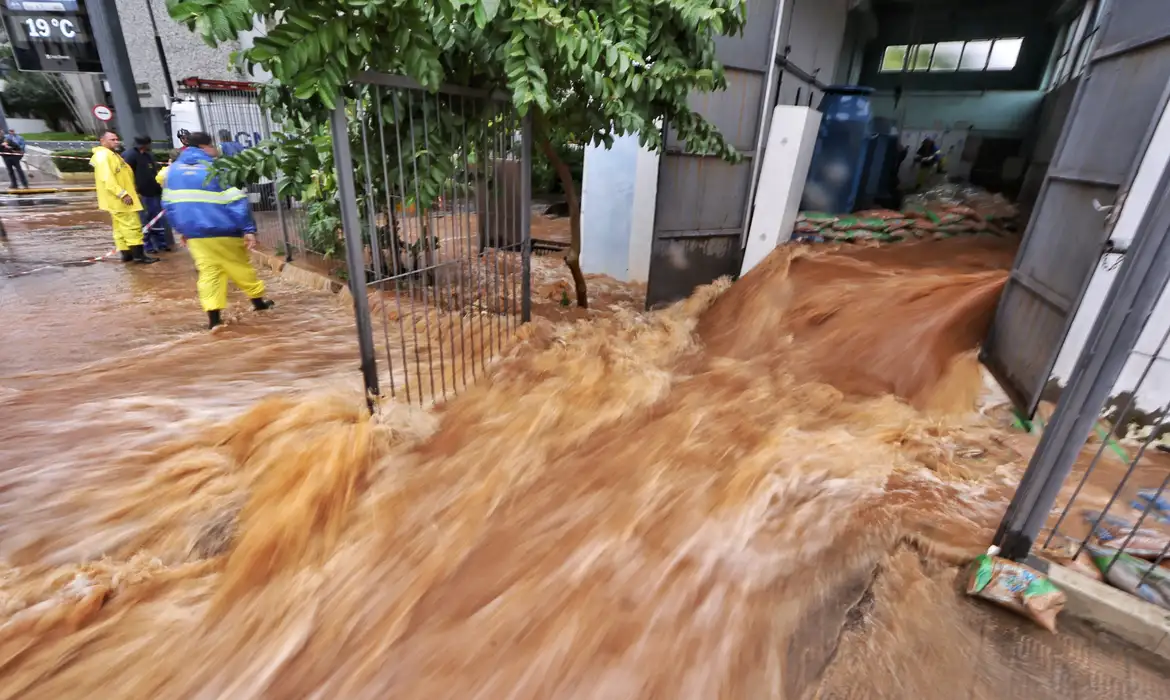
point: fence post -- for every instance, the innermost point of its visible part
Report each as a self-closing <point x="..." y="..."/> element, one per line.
<point x="1141" y="281"/>
<point x="526" y="220"/>
<point x="354" y="259"/>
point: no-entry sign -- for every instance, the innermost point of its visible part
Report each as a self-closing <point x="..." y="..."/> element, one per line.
<point x="103" y="112"/>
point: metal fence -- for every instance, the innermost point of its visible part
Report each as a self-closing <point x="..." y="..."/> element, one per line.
<point x="435" y="194"/>
<point x="1110" y="500"/>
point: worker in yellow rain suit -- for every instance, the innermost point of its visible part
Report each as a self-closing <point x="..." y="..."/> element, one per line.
<point x="216" y="224"/>
<point x="116" y="194"/>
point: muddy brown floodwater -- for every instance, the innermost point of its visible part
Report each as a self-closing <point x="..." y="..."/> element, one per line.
<point x="729" y="498"/>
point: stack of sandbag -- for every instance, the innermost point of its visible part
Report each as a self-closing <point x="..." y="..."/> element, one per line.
<point x="941" y="212"/>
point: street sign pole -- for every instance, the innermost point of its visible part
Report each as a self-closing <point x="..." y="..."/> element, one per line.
<point x="111" y="47"/>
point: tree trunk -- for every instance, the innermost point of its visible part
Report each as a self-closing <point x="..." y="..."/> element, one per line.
<point x="573" y="259"/>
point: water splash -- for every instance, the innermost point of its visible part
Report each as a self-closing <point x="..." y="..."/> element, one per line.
<point x="682" y="504"/>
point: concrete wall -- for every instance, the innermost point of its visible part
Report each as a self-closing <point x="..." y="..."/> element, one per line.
<point x="618" y="192"/>
<point x="186" y="54"/>
<point x="1154" y="393"/>
<point x="1006" y="113"/>
<point x="27" y="126"/>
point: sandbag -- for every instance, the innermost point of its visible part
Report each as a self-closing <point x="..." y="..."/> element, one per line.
<point x="1144" y="542"/>
<point x="1132" y="575"/>
<point x="1017" y="587"/>
<point x="880" y="214"/>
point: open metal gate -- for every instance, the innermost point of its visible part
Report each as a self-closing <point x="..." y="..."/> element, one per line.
<point x="701" y="212"/>
<point x="1109" y="126"/>
<point x="435" y="199"/>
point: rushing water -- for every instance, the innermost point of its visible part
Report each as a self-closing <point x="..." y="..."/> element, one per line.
<point x="673" y="505"/>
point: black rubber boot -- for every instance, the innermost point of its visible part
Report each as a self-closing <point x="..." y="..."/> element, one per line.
<point x="213" y="320"/>
<point x="140" y="255"/>
<point x="263" y="304"/>
<point x="127" y="256"/>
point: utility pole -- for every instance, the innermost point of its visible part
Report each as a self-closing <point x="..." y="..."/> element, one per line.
<point x="107" y="34"/>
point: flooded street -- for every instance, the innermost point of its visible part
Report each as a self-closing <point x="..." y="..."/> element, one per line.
<point x="764" y="491"/>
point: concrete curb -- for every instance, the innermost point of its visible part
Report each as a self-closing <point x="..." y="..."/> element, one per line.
<point x="298" y="275"/>
<point x="1140" y="623"/>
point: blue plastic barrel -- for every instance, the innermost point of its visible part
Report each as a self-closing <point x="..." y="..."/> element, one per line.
<point x="834" y="177"/>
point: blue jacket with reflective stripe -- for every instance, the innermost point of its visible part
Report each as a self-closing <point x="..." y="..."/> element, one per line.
<point x="198" y="206"/>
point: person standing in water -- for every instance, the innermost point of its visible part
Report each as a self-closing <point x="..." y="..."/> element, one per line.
<point x="116" y="194"/>
<point x="12" y="149"/>
<point x="216" y="225"/>
<point x="141" y="161"/>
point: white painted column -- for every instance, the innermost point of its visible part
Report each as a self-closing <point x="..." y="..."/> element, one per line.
<point x="789" y="152"/>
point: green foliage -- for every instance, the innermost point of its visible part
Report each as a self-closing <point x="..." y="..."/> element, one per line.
<point x="71" y="164"/>
<point x="33" y="95"/>
<point x="589" y="70"/>
<point x="597" y="68"/>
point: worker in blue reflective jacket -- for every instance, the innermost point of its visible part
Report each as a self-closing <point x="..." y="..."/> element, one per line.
<point x="215" y="224"/>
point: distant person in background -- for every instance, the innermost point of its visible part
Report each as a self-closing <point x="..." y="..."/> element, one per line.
<point x="216" y="225"/>
<point x="12" y="150"/>
<point x="227" y="144"/>
<point x="114" y="181"/>
<point x="927" y="158"/>
<point x="141" y="161"/>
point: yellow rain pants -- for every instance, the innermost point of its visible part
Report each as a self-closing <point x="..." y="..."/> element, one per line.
<point x="127" y="229"/>
<point x="218" y="260"/>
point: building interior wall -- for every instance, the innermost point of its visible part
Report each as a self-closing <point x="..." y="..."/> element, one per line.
<point x="997" y="110"/>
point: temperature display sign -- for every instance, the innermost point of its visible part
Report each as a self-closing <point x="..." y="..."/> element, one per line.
<point x="51" y="35"/>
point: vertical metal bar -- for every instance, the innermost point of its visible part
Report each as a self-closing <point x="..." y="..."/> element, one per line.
<point x="1141" y="519"/>
<point x="485" y="222"/>
<point x="497" y="241"/>
<point x="410" y="273"/>
<point x="1144" y="274"/>
<point x="393" y="248"/>
<point x="1156" y="564"/>
<point x="526" y="221"/>
<point x="347" y="193"/>
<point x="1125" y="479"/>
<point x="375" y="245"/>
<point x="1121" y="419"/>
<point x="509" y="223"/>
<point x="471" y="257"/>
<point x="422" y="211"/>
<point x="445" y="242"/>
<point x="463" y="258"/>
<point x="517" y="236"/>
<point x="435" y="270"/>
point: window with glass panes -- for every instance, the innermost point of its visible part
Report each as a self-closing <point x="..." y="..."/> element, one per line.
<point x="950" y="56"/>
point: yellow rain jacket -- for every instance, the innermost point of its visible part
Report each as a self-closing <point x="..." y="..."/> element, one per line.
<point x="113" y="178"/>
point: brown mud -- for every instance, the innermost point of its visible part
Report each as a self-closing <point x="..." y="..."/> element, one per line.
<point x="691" y="503"/>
